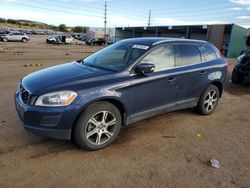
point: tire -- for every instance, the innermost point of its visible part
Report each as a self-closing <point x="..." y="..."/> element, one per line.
<point x="236" y="77"/>
<point x="98" y="126"/>
<point x="24" y="40"/>
<point x="208" y="100"/>
<point x="5" y="39"/>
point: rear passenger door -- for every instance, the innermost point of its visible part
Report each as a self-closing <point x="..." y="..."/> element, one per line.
<point x="191" y="74"/>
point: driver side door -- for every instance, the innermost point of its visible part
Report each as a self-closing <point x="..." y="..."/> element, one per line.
<point x="11" y="37"/>
<point x="154" y="93"/>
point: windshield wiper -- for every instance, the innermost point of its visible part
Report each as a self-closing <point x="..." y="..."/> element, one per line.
<point x="80" y="61"/>
<point x="94" y="66"/>
<point x="99" y="67"/>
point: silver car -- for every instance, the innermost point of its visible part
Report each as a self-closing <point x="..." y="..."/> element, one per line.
<point x="15" y="36"/>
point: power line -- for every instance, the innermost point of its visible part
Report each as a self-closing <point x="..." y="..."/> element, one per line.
<point x="57" y="10"/>
<point x="172" y="9"/>
<point x="126" y="11"/>
<point x="93" y="9"/>
<point x="79" y="6"/>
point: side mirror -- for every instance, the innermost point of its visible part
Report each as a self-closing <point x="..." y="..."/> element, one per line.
<point x="145" y="68"/>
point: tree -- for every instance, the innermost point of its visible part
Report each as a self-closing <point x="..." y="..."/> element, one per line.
<point x="79" y="29"/>
<point x="62" y="27"/>
<point x="11" y="21"/>
<point x="2" y="20"/>
<point x="53" y="27"/>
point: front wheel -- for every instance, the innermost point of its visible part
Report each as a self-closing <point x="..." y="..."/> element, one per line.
<point x="5" y="39"/>
<point x="98" y="126"/>
<point x="208" y="100"/>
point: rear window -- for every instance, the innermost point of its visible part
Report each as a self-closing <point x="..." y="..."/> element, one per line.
<point x="208" y="52"/>
<point x="186" y="55"/>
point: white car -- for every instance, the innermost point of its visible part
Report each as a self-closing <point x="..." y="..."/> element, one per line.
<point x="15" y="36"/>
<point x="60" y="39"/>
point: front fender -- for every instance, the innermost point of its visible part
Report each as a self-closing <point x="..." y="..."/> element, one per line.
<point x="88" y="98"/>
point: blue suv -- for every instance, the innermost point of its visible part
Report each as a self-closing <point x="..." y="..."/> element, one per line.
<point x="90" y="99"/>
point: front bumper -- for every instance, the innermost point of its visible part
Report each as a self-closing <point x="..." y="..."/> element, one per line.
<point x="54" y="122"/>
<point x="57" y="134"/>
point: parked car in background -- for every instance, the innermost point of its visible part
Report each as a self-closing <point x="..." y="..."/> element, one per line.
<point x="82" y="38"/>
<point x="15" y="36"/>
<point x="3" y="32"/>
<point x="241" y="70"/>
<point x="95" y="41"/>
<point x="90" y="99"/>
<point x="79" y="36"/>
<point x="60" y="39"/>
<point x="109" y="42"/>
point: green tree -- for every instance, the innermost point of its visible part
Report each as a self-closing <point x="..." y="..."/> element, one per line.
<point x="11" y="21"/>
<point x="26" y="24"/>
<point x="53" y="27"/>
<point x="79" y="29"/>
<point x="2" y="20"/>
<point x="62" y="27"/>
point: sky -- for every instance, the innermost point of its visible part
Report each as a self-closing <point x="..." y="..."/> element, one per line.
<point x="123" y="13"/>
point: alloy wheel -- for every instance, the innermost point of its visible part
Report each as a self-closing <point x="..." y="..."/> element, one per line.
<point x="210" y="100"/>
<point x="100" y="128"/>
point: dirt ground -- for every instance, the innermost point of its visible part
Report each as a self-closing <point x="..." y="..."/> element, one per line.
<point x="164" y="151"/>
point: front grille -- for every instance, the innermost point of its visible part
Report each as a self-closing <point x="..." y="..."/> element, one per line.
<point x="24" y="94"/>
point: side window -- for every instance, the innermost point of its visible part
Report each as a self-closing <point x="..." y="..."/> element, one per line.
<point x="162" y="57"/>
<point x="208" y="52"/>
<point x="187" y="54"/>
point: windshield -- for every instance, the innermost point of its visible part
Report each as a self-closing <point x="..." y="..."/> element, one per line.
<point x="115" y="57"/>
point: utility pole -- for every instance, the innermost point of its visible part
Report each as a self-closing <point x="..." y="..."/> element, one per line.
<point x="105" y="20"/>
<point x="149" y="18"/>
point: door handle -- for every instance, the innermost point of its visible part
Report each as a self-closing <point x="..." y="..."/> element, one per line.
<point x="171" y="79"/>
<point x="203" y="72"/>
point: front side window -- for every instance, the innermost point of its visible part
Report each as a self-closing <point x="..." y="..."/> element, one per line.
<point x="162" y="57"/>
<point x="187" y="54"/>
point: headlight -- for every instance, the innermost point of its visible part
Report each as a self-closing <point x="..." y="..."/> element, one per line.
<point x="61" y="98"/>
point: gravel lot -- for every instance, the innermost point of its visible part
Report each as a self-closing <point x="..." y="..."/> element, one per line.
<point x="171" y="150"/>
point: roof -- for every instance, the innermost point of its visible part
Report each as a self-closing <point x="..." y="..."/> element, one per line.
<point x="151" y="41"/>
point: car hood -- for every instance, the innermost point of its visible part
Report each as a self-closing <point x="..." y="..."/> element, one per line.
<point x="61" y="76"/>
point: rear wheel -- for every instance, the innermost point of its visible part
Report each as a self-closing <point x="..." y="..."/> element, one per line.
<point x="97" y="126"/>
<point x="237" y="78"/>
<point x="208" y="100"/>
<point x="5" y="39"/>
<point x="24" y="40"/>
